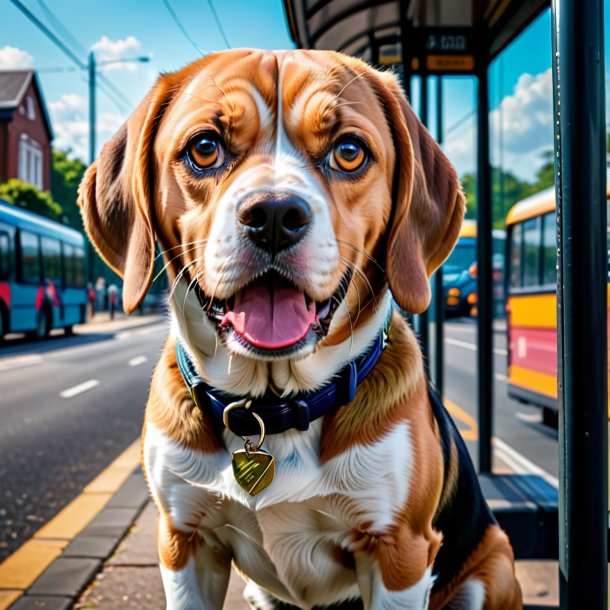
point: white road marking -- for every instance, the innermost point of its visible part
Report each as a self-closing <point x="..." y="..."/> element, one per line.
<point x="8" y="364"/>
<point x="463" y="344"/>
<point x="80" y="388"/>
<point x="530" y="418"/>
<point x="137" y="360"/>
<point x="472" y="347"/>
<point x="501" y="377"/>
<point x="519" y="463"/>
<point x="123" y="335"/>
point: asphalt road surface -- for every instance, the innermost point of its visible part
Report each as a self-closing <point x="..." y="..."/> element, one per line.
<point x="522" y="442"/>
<point x="69" y="406"/>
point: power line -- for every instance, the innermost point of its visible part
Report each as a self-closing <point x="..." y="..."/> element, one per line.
<point x="45" y="30"/>
<point x="60" y="27"/>
<point x="182" y="28"/>
<point x="109" y="88"/>
<point x="220" y="28"/>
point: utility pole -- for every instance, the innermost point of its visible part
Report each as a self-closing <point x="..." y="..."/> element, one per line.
<point x="91" y="69"/>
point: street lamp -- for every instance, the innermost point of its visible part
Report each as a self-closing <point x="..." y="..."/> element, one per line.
<point x="92" y="66"/>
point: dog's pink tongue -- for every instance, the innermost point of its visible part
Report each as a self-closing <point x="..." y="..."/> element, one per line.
<point x="271" y="314"/>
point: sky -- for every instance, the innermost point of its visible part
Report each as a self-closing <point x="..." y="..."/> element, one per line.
<point x="520" y="79"/>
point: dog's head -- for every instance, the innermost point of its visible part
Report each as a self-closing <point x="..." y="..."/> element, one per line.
<point x="286" y="190"/>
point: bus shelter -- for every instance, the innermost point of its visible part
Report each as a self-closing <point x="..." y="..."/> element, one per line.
<point x="462" y="37"/>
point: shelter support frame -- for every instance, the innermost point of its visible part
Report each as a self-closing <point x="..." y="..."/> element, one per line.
<point x="580" y="164"/>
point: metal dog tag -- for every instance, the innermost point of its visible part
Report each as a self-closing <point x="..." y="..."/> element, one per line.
<point x="253" y="469"/>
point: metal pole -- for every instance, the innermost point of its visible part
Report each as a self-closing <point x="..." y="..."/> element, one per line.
<point x="91" y="69"/>
<point x="91" y="73"/>
<point x="439" y="303"/>
<point x="578" y="80"/>
<point x="424" y="336"/>
<point x="484" y="277"/>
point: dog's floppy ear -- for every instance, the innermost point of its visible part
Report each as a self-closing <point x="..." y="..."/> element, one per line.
<point x="116" y="199"/>
<point x="428" y="202"/>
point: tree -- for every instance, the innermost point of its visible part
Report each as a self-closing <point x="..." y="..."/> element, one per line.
<point x="66" y="174"/>
<point x="25" y="195"/>
<point x="507" y="189"/>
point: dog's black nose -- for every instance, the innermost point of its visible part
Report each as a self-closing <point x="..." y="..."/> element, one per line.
<point x="274" y="221"/>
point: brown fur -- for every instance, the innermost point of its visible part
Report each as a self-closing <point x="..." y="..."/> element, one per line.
<point x="404" y="213"/>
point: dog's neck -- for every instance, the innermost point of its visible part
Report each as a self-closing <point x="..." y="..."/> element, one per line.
<point x="244" y="376"/>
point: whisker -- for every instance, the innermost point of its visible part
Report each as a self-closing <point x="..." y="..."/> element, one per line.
<point x="350" y="82"/>
<point x="164" y="268"/>
<point x="188" y="243"/>
<point x="351" y="265"/>
<point x="189" y="288"/>
<point x="360" y="273"/>
<point x="360" y="251"/>
<point x="351" y="331"/>
<point x="179" y="276"/>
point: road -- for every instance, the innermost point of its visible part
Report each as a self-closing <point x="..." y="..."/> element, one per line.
<point x="69" y="406"/>
<point x="515" y="424"/>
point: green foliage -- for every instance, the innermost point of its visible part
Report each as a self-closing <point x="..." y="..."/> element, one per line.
<point x="507" y="189"/>
<point x="66" y="174"/>
<point x="25" y="195"/>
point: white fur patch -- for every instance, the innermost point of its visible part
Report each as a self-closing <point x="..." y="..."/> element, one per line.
<point x="416" y="597"/>
<point x="470" y="596"/>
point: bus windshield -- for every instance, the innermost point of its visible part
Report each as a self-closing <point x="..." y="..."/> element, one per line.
<point x="464" y="254"/>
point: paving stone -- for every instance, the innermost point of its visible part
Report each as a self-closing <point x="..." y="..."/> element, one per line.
<point x="111" y="522"/>
<point x="36" y="602"/>
<point x="65" y="576"/>
<point x="125" y="588"/>
<point x="132" y="494"/>
<point x="141" y="589"/>
<point x="140" y="546"/>
<point x="96" y="547"/>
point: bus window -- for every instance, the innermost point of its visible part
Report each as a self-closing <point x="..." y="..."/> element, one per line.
<point x="68" y="251"/>
<point x="51" y="259"/>
<point x="30" y="257"/>
<point x="549" y="249"/>
<point x="531" y="252"/>
<point x="516" y="247"/>
<point x="79" y="267"/>
<point x="5" y="256"/>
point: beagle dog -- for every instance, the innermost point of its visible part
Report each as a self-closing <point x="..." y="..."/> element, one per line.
<point x="291" y="431"/>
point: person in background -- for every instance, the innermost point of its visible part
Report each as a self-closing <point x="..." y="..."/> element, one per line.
<point x="91" y="297"/>
<point x="113" y="297"/>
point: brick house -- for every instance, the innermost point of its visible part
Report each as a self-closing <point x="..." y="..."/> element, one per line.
<point x="25" y="130"/>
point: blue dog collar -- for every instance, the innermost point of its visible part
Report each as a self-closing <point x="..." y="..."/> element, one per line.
<point x="281" y="414"/>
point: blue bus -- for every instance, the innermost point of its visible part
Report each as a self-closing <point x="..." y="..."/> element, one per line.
<point x="42" y="274"/>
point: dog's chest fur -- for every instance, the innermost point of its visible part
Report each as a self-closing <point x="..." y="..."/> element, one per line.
<point x="310" y="519"/>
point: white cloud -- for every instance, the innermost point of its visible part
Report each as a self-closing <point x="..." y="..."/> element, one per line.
<point x="113" y="50"/>
<point x="12" y="58"/>
<point x="69" y="116"/>
<point x="526" y="118"/>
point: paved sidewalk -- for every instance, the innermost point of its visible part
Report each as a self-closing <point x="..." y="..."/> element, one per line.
<point x="131" y="579"/>
<point x="101" y="322"/>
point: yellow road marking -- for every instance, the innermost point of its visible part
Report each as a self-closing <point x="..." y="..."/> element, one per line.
<point x="27" y="563"/>
<point x="8" y="598"/>
<point x="74" y="517"/>
<point x="472" y="433"/>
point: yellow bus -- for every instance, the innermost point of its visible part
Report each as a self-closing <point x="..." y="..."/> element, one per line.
<point x="531" y="306"/>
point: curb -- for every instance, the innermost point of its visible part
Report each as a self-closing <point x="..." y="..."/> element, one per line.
<point x="51" y="569"/>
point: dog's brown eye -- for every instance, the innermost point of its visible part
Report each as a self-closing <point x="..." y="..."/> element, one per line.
<point x="348" y="155"/>
<point x="205" y="150"/>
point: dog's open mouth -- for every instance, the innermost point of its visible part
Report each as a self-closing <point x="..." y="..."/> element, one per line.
<point x="273" y="315"/>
